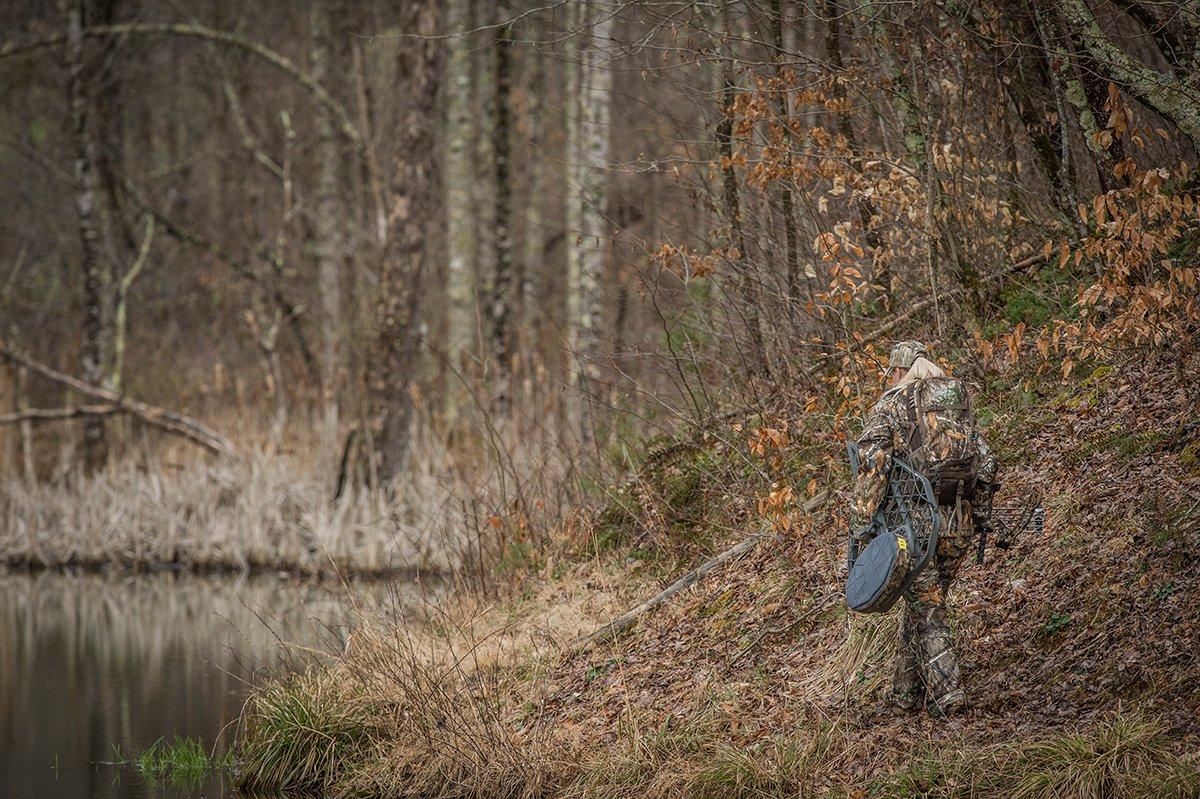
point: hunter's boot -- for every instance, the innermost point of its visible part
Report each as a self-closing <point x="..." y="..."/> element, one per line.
<point x="907" y="689"/>
<point x="939" y="665"/>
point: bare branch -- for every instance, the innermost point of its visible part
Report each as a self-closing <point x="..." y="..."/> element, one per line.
<point x="58" y="414"/>
<point x="168" y="421"/>
<point x="625" y="620"/>
<point x="281" y="62"/>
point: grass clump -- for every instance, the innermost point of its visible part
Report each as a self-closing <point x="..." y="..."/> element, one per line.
<point x="697" y="760"/>
<point x="1119" y="758"/>
<point x="182" y="763"/>
<point x="300" y="734"/>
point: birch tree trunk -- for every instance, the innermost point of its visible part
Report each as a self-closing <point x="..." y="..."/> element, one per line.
<point x="460" y="222"/>
<point x="572" y="92"/>
<point x="329" y="243"/>
<point x="95" y="449"/>
<point x="591" y="160"/>
<point x="411" y="214"/>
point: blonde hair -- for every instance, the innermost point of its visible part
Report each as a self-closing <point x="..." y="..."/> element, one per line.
<point x="922" y="369"/>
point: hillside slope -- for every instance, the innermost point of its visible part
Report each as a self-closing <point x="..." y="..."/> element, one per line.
<point x="1100" y="611"/>
<point x="1079" y="651"/>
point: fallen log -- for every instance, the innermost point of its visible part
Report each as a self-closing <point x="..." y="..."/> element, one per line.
<point x="57" y="414"/>
<point x="165" y="420"/>
<point x="625" y="620"/>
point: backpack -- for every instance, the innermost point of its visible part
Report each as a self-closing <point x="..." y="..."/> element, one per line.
<point x="943" y="438"/>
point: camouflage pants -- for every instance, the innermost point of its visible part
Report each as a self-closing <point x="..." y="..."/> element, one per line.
<point x="926" y="658"/>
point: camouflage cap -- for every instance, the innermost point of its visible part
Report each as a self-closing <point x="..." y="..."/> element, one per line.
<point x="904" y="353"/>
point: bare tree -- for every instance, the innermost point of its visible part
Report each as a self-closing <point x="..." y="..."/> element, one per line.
<point x="411" y="213"/>
<point x="95" y="447"/>
<point x="328" y="245"/>
<point x="589" y="162"/>
<point x="500" y="304"/>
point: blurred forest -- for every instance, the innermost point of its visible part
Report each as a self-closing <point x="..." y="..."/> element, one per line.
<point x="404" y="268"/>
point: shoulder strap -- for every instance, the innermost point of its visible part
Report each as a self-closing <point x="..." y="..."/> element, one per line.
<point x="911" y="393"/>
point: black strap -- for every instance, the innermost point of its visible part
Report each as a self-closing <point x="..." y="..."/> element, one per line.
<point x="912" y="400"/>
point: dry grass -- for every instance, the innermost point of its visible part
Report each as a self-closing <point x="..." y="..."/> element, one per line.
<point x="423" y="714"/>
<point x="272" y="509"/>
<point x="260" y="513"/>
<point x="862" y="663"/>
<point x="303" y="733"/>
<point x="444" y="729"/>
<point x="1118" y="758"/>
<point x="697" y="759"/>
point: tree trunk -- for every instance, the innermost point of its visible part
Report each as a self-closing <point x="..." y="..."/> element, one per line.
<point x="1166" y="34"/>
<point x="116" y="227"/>
<point x="411" y="214"/>
<point x="1032" y="87"/>
<point x="573" y="93"/>
<point x="591" y="154"/>
<point x="785" y="193"/>
<point x="756" y="357"/>
<point x="95" y="449"/>
<point x="500" y="305"/>
<point x="902" y="82"/>
<point x="459" y="181"/>
<point x="1161" y="91"/>
<point x="328" y="229"/>
<point x="483" y="172"/>
<point x="1087" y="93"/>
<point x="529" y="275"/>
<point x="881" y="273"/>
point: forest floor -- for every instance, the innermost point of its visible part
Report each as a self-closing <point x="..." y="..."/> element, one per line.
<point x="1079" y="647"/>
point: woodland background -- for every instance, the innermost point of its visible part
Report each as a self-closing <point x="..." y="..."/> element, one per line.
<point x="424" y="276"/>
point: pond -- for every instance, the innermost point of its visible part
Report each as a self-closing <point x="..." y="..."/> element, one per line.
<point x="94" y="670"/>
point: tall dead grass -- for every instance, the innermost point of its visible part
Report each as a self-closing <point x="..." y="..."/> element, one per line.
<point x="1120" y="757"/>
<point x="273" y="509"/>
<point x="394" y="721"/>
<point x="861" y="663"/>
<point x="406" y="711"/>
<point x="441" y="709"/>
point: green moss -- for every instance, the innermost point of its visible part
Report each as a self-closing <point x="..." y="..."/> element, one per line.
<point x="1049" y="296"/>
<point x="1189" y="458"/>
<point x="1126" y="445"/>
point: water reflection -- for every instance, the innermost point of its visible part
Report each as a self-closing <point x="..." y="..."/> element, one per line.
<point x="94" y="668"/>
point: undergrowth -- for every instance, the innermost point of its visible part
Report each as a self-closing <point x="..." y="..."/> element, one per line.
<point x="623" y="723"/>
<point x="1119" y="757"/>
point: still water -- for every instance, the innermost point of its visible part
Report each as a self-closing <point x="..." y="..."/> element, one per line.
<point x="96" y="669"/>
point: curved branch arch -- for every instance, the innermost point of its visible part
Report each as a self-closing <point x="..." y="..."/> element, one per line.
<point x="281" y="62"/>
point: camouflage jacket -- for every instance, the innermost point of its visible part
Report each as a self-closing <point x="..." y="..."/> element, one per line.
<point x="887" y="431"/>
